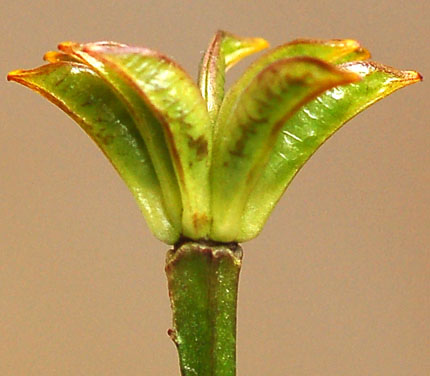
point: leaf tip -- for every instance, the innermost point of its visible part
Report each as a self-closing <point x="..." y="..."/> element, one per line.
<point x="260" y="44"/>
<point x="50" y="56"/>
<point x="353" y="45"/>
<point x="364" y="53"/>
<point x="67" y="46"/>
<point x="15" y="74"/>
<point x="413" y="76"/>
<point x="56" y="56"/>
<point x="248" y="46"/>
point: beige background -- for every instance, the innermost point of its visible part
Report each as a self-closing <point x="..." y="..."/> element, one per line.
<point x="337" y="283"/>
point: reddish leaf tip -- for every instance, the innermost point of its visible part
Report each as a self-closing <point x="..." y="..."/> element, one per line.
<point x="15" y="74"/>
<point x="56" y="56"/>
<point x="414" y="76"/>
<point x="50" y="56"/>
<point x="364" y="67"/>
<point x="67" y="46"/>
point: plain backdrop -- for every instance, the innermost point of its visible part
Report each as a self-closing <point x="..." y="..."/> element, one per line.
<point x="336" y="284"/>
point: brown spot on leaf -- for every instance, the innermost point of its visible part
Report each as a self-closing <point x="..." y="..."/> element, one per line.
<point x="60" y="81"/>
<point x="108" y="139"/>
<point x="88" y="102"/>
<point x="199" y="219"/>
<point x="248" y="129"/>
<point x="200" y="145"/>
<point x="105" y="139"/>
<point x="238" y="148"/>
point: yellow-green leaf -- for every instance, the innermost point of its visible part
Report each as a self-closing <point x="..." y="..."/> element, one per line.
<point x="333" y="51"/>
<point x="310" y="127"/>
<point x="145" y="117"/>
<point x="224" y="51"/>
<point x="249" y="131"/>
<point x="149" y="80"/>
<point x="90" y="101"/>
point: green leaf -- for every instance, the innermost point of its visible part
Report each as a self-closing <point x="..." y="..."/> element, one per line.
<point x="249" y="132"/>
<point x="145" y="116"/>
<point x="219" y="167"/>
<point x="85" y="97"/>
<point x="223" y="52"/>
<point x="332" y="51"/>
<point x="152" y="82"/>
<point x="310" y="127"/>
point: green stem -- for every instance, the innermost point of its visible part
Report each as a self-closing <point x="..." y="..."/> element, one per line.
<point x="203" y="280"/>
